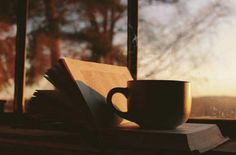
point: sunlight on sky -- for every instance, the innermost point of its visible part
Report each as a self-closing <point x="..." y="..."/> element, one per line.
<point x="221" y="73"/>
<point x="215" y="75"/>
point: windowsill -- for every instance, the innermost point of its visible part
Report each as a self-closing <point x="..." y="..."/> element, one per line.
<point x="23" y="141"/>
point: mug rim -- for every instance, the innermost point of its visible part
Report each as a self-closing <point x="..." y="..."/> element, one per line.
<point x="170" y="81"/>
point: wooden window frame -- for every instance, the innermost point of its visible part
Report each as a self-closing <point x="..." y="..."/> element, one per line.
<point x="22" y="11"/>
<point x="228" y="127"/>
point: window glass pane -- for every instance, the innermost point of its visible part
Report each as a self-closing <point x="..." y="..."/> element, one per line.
<point x="89" y="30"/>
<point x="192" y="40"/>
<point x="7" y="52"/>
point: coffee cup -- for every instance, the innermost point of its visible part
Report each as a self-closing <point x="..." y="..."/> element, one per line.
<point x="154" y="104"/>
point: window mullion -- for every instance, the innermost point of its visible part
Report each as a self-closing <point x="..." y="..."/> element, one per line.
<point x="22" y="9"/>
<point x="132" y="37"/>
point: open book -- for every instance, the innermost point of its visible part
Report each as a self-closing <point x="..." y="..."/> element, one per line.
<point x="81" y="89"/>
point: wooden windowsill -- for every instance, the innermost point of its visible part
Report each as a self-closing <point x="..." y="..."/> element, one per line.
<point x="31" y="140"/>
<point x="27" y="146"/>
<point x="18" y="139"/>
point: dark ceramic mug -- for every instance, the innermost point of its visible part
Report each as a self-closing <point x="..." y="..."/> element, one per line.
<point x="155" y="104"/>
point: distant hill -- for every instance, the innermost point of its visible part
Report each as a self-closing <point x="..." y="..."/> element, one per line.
<point x="214" y="106"/>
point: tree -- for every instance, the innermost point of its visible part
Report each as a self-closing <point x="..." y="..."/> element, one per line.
<point x="95" y="28"/>
<point x="7" y="41"/>
<point x="47" y="36"/>
<point x="99" y="19"/>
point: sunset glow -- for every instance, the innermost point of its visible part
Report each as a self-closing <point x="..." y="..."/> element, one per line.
<point x="207" y="61"/>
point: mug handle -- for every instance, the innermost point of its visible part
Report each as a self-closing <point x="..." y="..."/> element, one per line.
<point x="123" y="91"/>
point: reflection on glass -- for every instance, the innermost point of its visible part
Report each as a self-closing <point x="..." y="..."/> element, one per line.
<point x="7" y="53"/>
<point x="192" y="40"/>
<point x="87" y="30"/>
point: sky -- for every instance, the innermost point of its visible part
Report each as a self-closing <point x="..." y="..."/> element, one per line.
<point x="216" y="74"/>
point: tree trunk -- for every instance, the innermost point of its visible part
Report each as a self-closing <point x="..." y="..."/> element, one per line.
<point x="52" y="17"/>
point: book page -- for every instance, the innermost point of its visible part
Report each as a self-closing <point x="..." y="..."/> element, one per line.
<point x="99" y="77"/>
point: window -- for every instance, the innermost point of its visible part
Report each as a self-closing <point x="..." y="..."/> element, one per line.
<point x="194" y="41"/>
<point x="197" y="47"/>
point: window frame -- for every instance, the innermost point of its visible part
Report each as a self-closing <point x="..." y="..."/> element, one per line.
<point x="132" y="42"/>
<point x="227" y="126"/>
